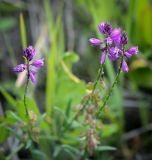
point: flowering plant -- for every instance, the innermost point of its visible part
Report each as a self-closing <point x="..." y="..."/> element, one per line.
<point x="28" y="54"/>
<point x="114" y="45"/>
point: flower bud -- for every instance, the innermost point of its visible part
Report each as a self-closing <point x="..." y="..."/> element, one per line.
<point x="133" y="50"/>
<point x="105" y="28"/>
<point x="29" y="53"/>
<point x="115" y="35"/>
<point x="125" y="66"/>
<point x="38" y="63"/>
<point x="114" y="53"/>
<point x="94" y="41"/>
<point x="32" y="77"/>
<point x="103" y="57"/>
<point x="123" y="39"/>
<point x="19" y="68"/>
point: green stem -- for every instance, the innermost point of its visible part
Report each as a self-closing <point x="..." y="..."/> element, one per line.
<point x="25" y="92"/>
<point x="111" y="89"/>
<point x="99" y="75"/>
<point x="26" y="87"/>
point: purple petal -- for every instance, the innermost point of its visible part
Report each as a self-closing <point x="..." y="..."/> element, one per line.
<point x="94" y="41"/>
<point x="108" y="40"/>
<point x="112" y="57"/>
<point x="115" y="35"/>
<point x="34" y="72"/>
<point x="114" y="53"/>
<point x="105" y="28"/>
<point x="103" y="57"/>
<point x="29" y="53"/>
<point x="123" y="39"/>
<point x="133" y="50"/>
<point x="38" y="63"/>
<point x="19" y="68"/>
<point x="125" y="66"/>
<point x="32" y="77"/>
<point x="127" y="54"/>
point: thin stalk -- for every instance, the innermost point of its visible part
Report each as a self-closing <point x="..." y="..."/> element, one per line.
<point x="25" y="92"/>
<point x="26" y="87"/>
<point x="111" y="89"/>
<point x="99" y="75"/>
<point x="25" y="102"/>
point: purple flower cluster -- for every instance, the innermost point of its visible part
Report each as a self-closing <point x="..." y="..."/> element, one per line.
<point x="113" y="45"/>
<point x="28" y="54"/>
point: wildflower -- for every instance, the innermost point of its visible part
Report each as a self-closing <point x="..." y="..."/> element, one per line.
<point x="131" y="51"/>
<point x="113" y="45"/>
<point x="105" y="28"/>
<point x="103" y="57"/>
<point x="29" y="54"/>
<point x="115" y="35"/>
<point x="125" y="66"/>
<point x="19" y="68"/>
<point x="94" y="41"/>
<point x="32" y="77"/>
<point x="114" y="53"/>
<point x="38" y="63"/>
<point x="121" y="39"/>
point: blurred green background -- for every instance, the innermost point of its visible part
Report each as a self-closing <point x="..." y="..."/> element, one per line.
<point x="59" y="30"/>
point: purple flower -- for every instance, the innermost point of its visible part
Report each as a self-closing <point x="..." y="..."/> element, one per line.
<point x="103" y="57"/>
<point x="94" y="41"/>
<point x="38" y="63"/>
<point x="123" y="39"/>
<point x="115" y="35"/>
<point x="29" y="53"/>
<point x="114" y="53"/>
<point x="113" y="44"/>
<point x="131" y="51"/>
<point x="32" y="77"/>
<point x="33" y="71"/>
<point x="125" y="66"/>
<point x="105" y="28"/>
<point x="19" y="68"/>
<point x="108" y="41"/>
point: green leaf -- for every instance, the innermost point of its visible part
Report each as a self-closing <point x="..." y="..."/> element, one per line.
<point x="38" y="155"/>
<point x="4" y="133"/>
<point x="57" y="151"/>
<point x="71" y="148"/>
<point x="105" y="148"/>
<point x="13" y="116"/>
<point x="23" y="31"/>
<point x="31" y="106"/>
<point x="28" y="144"/>
<point x="70" y="57"/>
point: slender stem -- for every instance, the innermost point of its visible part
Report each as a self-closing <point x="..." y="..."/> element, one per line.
<point x="25" y="92"/>
<point x="99" y="75"/>
<point x="26" y="87"/>
<point x="111" y="89"/>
